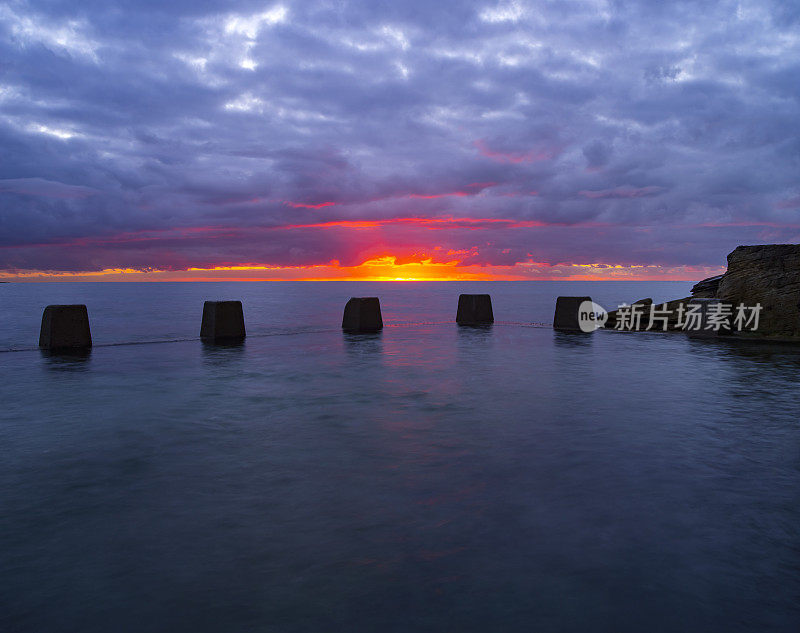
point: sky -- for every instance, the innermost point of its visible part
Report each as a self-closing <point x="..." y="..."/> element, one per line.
<point x="399" y="139"/>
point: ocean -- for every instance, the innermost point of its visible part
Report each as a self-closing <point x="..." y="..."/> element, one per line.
<point x="428" y="478"/>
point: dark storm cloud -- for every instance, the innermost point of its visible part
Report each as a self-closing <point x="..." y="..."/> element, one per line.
<point x="618" y="132"/>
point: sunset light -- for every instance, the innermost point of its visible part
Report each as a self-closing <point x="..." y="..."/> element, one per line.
<point x="415" y="316"/>
<point x="386" y="268"/>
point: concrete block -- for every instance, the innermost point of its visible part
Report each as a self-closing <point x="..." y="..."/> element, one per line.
<point x="474" y="310"/>
<point x="65" y="327"/>
<point x="708" y="318"/>
<point x="362" y="314"/>
<point x="566" y="318"/>
<point x="223" y="322"/>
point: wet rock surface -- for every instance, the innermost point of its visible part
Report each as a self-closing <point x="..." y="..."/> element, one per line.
<point x="707" y="288"/>
<point x="770" y="276"/>
<point x="767" y="276"/>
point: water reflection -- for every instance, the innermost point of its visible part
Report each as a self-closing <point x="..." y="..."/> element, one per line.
<point x="751" y="367"/>
<point x="752" y="348"/>
<point x="365" y="345"/>
<point x="67" y="359"/>
<point x="471" y="333"/>
<point x="219" y="354"/>
<point x="621" y="476"/>
<point x="483" y="327"/>
<point x="766" y="352"/>
<point x="472" y="339"/>
<point x="574" y="340"/>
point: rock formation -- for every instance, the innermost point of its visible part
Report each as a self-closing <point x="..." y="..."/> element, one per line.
<point x="706" y="289"/>
<point x="766" y="276"/>
<point x="770" y="276"/>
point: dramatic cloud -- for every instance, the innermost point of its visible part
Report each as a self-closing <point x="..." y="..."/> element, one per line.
<point x="303" y="139"/>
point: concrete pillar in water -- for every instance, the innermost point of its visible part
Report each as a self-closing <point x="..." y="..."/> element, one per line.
<point x="362" y="314"/>
<point x="223" y="322"/>
<point x="65" y="327"/>
<point x="567" y="317"/>
<point x="707" y="318"/>
<point x="474" y="310"/>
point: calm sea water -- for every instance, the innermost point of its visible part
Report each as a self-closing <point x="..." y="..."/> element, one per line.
<point x="428" y="478"/>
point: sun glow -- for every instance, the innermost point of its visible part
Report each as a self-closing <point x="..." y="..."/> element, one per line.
<point x="386" y="268"/>
<point x="383" y="268"/>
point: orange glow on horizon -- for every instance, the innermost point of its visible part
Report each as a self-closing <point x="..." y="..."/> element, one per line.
<point x="384" y="268"/>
